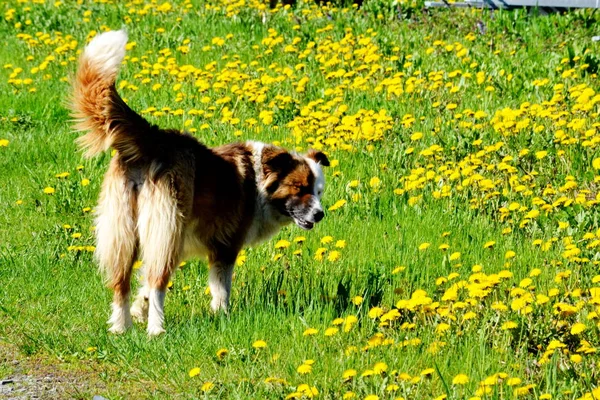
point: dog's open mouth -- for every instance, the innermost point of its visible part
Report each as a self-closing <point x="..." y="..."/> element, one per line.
<point x="304" y="224"/>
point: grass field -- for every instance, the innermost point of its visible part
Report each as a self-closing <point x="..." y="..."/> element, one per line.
<point x="459" y="255"/>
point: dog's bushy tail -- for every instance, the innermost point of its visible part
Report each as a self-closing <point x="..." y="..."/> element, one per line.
<point x="96" y="104"/>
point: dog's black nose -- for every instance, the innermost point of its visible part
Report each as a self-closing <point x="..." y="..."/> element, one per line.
<point x="319" y="216"/>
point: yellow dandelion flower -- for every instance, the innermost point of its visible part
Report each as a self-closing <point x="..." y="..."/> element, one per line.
<point x="424" y="246"/>
<point x="282" y="244"/>
<point x="577" y="328"/>
<point x="259" y="344"/>
<point x="349" y="374"/>
<point x="460" y="379"/>
<point x="375" y="312"/>
<point x="331" y="331"/>
<point x="375" y="182"/>
<point x="207" y="386"/>
<point x="326" y="239"/>
<point x="513" y="381"/>
<point x="334" y="256"/>
<point x="221" y="353"/>
<point x="510" y="254"/>
<point x="49" y="190"/>
<point x="193" y="372"/>
<point x="310" y="332"/>
<point x="304" y="369"/>
<point x="509" y="325"/>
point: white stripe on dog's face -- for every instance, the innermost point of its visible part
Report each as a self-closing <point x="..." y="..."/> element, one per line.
<point x="319" y="187"/>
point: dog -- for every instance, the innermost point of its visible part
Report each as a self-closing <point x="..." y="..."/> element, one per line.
<point x="167" y="197"/>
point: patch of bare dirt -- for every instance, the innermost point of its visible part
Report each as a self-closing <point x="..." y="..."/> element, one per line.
<point x="23" y="378"/>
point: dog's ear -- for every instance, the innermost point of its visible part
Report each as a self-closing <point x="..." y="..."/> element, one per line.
<point x="318" y="156"/>
<point x="278" y="161"/>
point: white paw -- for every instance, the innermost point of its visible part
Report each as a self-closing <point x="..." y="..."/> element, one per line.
<point x="120" y="319"/>
<point x="118" y="329"/>
<point x="139" y="312"/>
<point x="155" y="330"/>
<point x="218" y="305"/>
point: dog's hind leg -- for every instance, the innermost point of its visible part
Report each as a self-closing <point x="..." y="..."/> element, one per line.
<point x="116" y="247"/>
<point x="139" y="308"/>
<point x="161" y="213"/>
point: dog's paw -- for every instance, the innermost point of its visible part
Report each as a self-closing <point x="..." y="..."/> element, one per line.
<point x="120" y="320"/>
<point x="139" y="313"/>
<point x="217" y="305"/>
<point x="120" y="328"/>
<point x="155" y="330"/>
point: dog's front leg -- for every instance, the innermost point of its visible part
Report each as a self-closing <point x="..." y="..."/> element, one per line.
<point x="219" y="281"/>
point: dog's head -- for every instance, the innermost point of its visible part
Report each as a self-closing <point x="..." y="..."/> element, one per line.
<point x="295" y="183"/>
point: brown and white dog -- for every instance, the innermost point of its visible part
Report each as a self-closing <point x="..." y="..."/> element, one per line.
<point x="167" y="197"/>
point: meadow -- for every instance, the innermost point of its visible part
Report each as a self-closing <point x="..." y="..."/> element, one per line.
<point x="458" y="258"/>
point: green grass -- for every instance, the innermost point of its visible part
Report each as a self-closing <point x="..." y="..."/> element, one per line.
<point x="53" y="304"/>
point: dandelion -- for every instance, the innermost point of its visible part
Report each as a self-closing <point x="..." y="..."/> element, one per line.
<point x="85" y="182"/>
<point x="331" y="331"/>
<point x="4" y="142"/>
<point x="326" y="239"/>
<point x="424" y="246"/>
<point x="304" y="369"/>
<point x="513" y="381"/>
<point x="207" y="386"/>
<point x="509" y="325"/>
<point x="222" y="353"/>
<point x="460" y="379"/>
<point x="310" y="332"/>
<point x="357" y="300"/>
<point x="349" y="374"/>
<point x="375" y="182"/>
<point x="577" y="328"/>
<point x="49" y="190"/>
<point x="259" y="344"/>
<point x="193" y="372"/>
<point x="282" y="244"/>
<point x="333" y="256"/>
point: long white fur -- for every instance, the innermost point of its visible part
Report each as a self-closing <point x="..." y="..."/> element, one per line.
<point x="107" y="51"/>
<point x="116" y="240"/>
<point x="160" y="240"/>
<point x="219" y="282"/>
<point x="156" y="312"/>
<point x="120" y="319"/>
